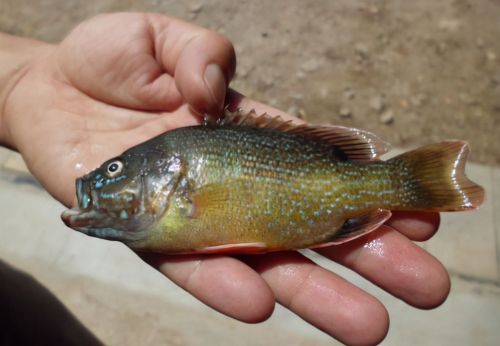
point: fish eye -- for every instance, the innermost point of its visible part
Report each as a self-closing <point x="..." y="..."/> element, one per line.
<point x="114" y="168"/>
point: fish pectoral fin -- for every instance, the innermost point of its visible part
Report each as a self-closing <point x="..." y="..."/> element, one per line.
<point x="346" y="143"/>
<point x="217" y="199"/>
<point x="237" y="248"/>
<point x="356" y="227"/>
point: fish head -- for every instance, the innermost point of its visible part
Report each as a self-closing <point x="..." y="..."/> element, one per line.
<point x="124" y="197"/>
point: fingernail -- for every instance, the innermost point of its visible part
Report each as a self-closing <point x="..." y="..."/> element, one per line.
<point x="216" y="84"/>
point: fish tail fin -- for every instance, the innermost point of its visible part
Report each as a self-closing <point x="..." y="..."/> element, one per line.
<point x="434" y="178"/>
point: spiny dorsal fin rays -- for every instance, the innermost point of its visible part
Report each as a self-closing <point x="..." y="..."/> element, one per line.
<point x="354" y="144"/>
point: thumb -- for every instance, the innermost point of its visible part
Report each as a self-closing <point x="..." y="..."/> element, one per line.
<point x="203" y="72"/>
<point x="202" y="62"/>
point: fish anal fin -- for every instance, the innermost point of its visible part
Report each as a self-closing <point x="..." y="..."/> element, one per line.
<point x="356" y="227"/>
<point x="349" y="143"/>
<point x="237" y="248"/>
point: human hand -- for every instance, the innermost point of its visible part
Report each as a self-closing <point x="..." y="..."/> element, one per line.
<point x="120" y="79"/>
<point x="110" y="85"/>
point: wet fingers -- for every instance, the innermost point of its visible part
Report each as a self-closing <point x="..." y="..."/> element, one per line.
<point x="393" y="262"/>
<point x="223" y="283"/>
<point x="322" y="298"/>
<point x="418" y="226"/>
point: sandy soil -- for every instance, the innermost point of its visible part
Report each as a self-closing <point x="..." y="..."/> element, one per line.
<point x="413" y="72"/>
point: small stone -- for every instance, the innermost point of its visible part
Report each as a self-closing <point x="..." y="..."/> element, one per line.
<point x="441" y="48"/>
<point x="479" y="42"/>
<point x="377" y="103"/>
<point x="491" y="56"/>
<point x="418" y="100"/>
<point x="387" y="117"/>
<point x="370" y="9"/>
<point x="467" y="99"/>
<point x="449" y="24"/>
<point x="239" y="49"/>
<point x="345" y="112"/>
<point x="302" y="114"/>
<point x="361" y="50"/>
<point x="324" y="92"/>
<point x="266" y="82"/>
<point x="383" y="59"/>
<point x="310" y="65"/>
<point x="293" y="110"/>
<point x="300" y="74"/>
<point x="358" y="68"/>
<point x="297" y="96"/>
<point x="196" y="7"/>
<point x="349" y="94"/>
<point x="495" y="80"/>
<point x="242" y="73"/>
<point x="373" y="9"/>
<point x="415" y="100"/>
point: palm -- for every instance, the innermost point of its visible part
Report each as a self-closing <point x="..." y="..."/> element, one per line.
<point x="106" y="87"/>
<point x="84" y="139"/>
<point x="120" y="79"/>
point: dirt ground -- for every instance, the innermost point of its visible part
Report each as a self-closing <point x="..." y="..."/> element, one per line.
<point x="413" y="72"/>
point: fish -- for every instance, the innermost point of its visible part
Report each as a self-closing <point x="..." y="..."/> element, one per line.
<point x="257" y="183"/>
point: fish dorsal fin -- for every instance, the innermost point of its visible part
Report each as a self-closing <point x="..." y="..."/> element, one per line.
<point x="350" y="143"/>
<point x="356" y="227"/>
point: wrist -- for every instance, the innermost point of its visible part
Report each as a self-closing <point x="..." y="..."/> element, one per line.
<point x="16" y="56"/>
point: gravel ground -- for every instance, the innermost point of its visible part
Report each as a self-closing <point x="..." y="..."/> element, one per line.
<point x="412" y="72"/>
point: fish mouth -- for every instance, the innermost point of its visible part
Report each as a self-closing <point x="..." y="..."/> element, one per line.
<point x="104" y="223"/>
<point x="83" y="194"/>
<point x="94" y="224"/>
<point x="78" y="219"/>
<point x="85" y="216"/>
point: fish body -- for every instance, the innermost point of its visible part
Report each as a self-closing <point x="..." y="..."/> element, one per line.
<point x="259" y="184"/>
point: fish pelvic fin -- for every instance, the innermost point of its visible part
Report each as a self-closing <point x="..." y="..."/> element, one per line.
<point x="436" y="179"/>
